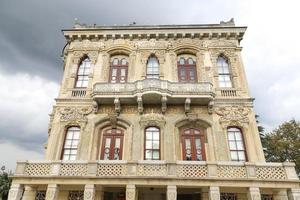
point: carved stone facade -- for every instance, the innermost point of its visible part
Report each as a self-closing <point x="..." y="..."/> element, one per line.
<point x="180" y="135"/>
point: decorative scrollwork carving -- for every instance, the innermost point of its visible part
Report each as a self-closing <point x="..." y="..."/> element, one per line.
<point x="152" y="119"/>
<point x="75" y="114"/>
<point x="233" y="116"/>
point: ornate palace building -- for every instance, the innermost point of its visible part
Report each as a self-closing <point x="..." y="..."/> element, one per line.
<point x="154" y="112"/>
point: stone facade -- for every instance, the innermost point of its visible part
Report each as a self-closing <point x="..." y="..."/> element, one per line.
<point x="98" y="144"/>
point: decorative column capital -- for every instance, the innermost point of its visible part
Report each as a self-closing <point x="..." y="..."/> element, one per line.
<point x="171" y="192"/>
<point x="89" y="192"/>
<point x="15" y="192"/>
<point x="130" y="192"/>
<point x="254" y="193"/>
<point x="214" y="193"/>
<point x="52" y="192"/>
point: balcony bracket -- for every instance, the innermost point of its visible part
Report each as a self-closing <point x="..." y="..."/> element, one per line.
<point x="187" y="105"/>
<point x="95" y="106"/>
<point x="164" y="104"/>
<point x="140" y="104"/>
<point x="117" y="105"/>
<point x="210" y="107"/>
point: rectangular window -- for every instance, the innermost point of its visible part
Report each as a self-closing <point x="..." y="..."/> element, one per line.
<point x="71" y="143"/>
<point x="236" y="144"/>
<point x="152" y="143"/>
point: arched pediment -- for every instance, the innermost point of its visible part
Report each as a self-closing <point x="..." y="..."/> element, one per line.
<point x="113" y="121"/>
<point x="187" y="49"/>
<point x="194" y="121"/>
<point x="119" y="50"/>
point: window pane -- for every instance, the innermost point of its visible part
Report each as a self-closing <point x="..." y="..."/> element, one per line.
<point x="114" y="72"/>
<point x="123" y="72"/>
<point x="181" y="61"/>
<point x="241" y="155"/>
<point x="155" y="135"/>
<point x="238" y="136"/>
<point x="155" y="155"/>
<point x="148" y="135"/>
<point x="155" y="144"/>
<point x="191" y="61"/>
<point x="123" y="62"/>
<point x="198" y="143"/>
<point x="148" y="154"/>
<point x="232" y="146"/>
<point x="240" y="145"/>
<point x="115" y="61"/>
<point x="148" y="144"/>
<point x="231" y="136"/>
<point x="234" y="155"/>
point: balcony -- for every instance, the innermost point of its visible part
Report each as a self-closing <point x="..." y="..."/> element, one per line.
<point x="152" y="91"/>
<point x="157" y="169"/>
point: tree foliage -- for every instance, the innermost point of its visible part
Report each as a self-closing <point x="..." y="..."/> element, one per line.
<point x="5" y="182"/>
<point x="283" y="144"/>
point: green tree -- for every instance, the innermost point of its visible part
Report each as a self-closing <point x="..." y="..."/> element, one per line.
<point x="5" y="182"/>
<point x="283" y="144"/>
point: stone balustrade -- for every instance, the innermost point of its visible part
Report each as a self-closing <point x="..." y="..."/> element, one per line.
<point x="155" y="85"/>
<point x="159" y="169"/>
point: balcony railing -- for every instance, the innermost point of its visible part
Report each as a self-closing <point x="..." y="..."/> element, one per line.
<point x="159" y="169"/>
<point x="155" y="85"/>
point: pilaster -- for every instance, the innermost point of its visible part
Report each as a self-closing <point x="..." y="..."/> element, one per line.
<point x="52" y="192"/>
<point x="171" y="192"/>
<point x="253" y="193"/>
<point x="294" y="194"/>
<point x="214" y="193"/>
<point x="15" y="192"/>
<point x="131" y="193"/>
<point x="280" y="194"/>
<point x="29" y="193"/>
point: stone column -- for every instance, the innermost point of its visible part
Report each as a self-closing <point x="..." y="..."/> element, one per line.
<point x="253" y="193"/>
<point x="214" y="193"/>
<point x="131" y="192"/>
<point x="15" y="192"/>
<point x="280" y="194"/>
<point x="171" y="192"/>
<point x="89" y="192"/>
<point x="294" y="194"/>
<point x="29" y="193"/>
<point x="52" y="192"/>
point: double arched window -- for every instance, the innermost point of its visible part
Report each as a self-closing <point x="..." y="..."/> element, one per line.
<point x="224" y="72"/>
<point x="236" y="144"/>
<point x="186" y="70"/>
<point x="152" y="143"/>
<point x="71" y="143"/>
<point x="112" y="144"/>
<point x="83" y="71"/>
<point x="193" y="147"/>
<point x="118" y="70"/>
<point x="152" y="67"/>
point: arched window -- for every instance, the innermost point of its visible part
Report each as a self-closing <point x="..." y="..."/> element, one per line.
<point x="236" y="145"/>
<point x="82" y="79"/>
<point x="224" y="72"/>
<point x="152" y="143"/>
<point x="118" y="70"/>
<point x="193" y="147"/>
<point x="112" y="144"/>
<point x="71" y="143"/>
<point x="152" y="67"/>
<point x="186" y="70"/>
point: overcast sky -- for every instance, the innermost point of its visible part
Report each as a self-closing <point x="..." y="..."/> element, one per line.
<point x="31" y="68"/>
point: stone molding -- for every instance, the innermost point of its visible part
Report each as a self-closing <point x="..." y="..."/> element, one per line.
<point x="152" y="119"/>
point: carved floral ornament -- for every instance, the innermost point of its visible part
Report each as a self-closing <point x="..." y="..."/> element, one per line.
<point x="228" y="53"/>
<point x="233" y="116"/>
<point x="160" y="54"/>
<point x="75" y="114"/>
<point x="152" y="119"/>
